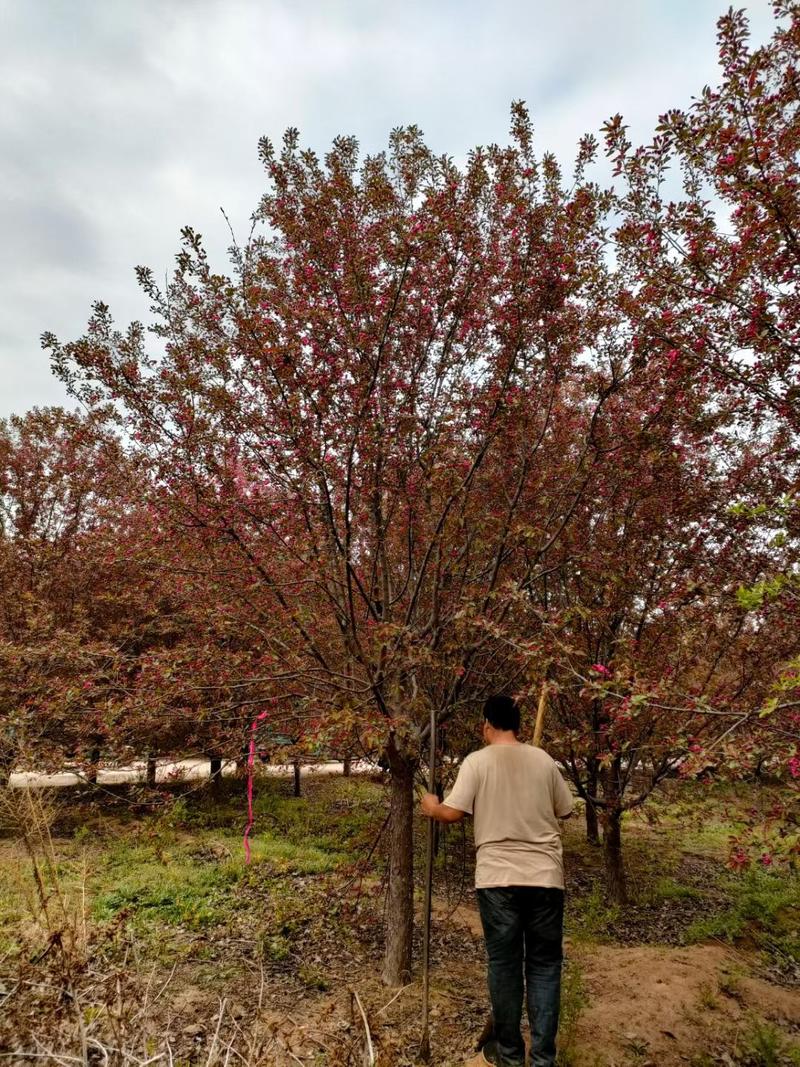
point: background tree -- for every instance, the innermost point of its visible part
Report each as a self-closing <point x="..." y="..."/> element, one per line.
<point x="60" y="476"/>
<point x="103" y="639"/>
<point x="713" y="272"/>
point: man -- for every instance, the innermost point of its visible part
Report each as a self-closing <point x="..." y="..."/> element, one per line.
<point x="516" y="796"/>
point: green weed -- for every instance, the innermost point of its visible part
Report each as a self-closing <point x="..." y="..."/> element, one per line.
<point x="14" y="892"/>
<point x="764" y="1045"/>
<point x="730" y="983"/>
<point x="763" y="907"/>
<point x="669" y="889"/>
<point x="591" y="916"/>
<point x="82" y="834"/>
<point x="573" y="1001"/>
<point x="176" y="896"/>
<point x="708" y="999"/>
<point x="313" y="977"/>
<point x="274" y="947"/>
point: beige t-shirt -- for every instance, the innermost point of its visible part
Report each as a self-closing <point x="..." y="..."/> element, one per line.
<point x="516" y="795"/>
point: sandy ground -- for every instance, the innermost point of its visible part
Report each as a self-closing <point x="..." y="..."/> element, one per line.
<point x="650" y="1004"/>
<point x="169" y="771"/>
<point x="645" y="1006"/>
<point x="653" y="1006"/>
<point x="658" y="1006"/>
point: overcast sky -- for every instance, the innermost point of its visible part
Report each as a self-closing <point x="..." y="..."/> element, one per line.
<point x="123" y="120"/>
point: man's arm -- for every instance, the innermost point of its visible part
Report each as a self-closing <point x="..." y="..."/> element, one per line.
<point x="458" y="802"/>
<point x="431" y="807"/>
<point x="563" y="800"/>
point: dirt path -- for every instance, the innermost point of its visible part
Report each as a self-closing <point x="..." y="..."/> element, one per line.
<point x="657" y="1005"/>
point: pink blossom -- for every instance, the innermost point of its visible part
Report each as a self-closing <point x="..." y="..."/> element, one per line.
<point x="738" y="859"/>
<point x="601" y="670"/>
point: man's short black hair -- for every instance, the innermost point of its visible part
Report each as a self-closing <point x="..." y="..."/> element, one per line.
<point x="502" y="713"/>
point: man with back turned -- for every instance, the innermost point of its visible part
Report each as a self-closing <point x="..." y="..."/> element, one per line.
<point x="516" y="795"/>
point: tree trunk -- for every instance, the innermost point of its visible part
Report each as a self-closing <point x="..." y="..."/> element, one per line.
<point x="6" y="767"/>
<point x="150" y="771"/>
<point x="400" y="900"/>
<point x="612" y="852"/>
<point x="242" y="762"/>
<point x="347" y="766"/>
<point x="296" y="766"/>
<point x="215" y="774"/>
<point x="592" y="827"/>
<point x="592" y="824"/>
<point x="94" y="765"/>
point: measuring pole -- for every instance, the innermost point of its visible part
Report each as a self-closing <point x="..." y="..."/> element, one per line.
<point x="425" y="1043"/>
<point x="539" y="727"/>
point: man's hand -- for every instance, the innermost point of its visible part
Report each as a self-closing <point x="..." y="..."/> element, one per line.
<point x="430" y="806"/>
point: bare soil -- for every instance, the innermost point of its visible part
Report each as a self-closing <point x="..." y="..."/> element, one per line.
<point x="279" y="964"/>
<point x="645" y="1006"/>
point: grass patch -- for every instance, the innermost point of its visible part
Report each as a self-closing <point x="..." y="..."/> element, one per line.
<point x="669" y="889"/>
<point x="765" y="1045"/>
<point x="711" y="836"/>
<point x="14" y="894"/>
<point x="292" y="857"/>
<point x="179" y="894"/>
<point x="172" y="875"/>
<point x="195" y="882"/>
<point x="590" y="917"/>
<point x="573" y="1000"/>
<point x="329" y="817"/>
<point x="764" y="908"/>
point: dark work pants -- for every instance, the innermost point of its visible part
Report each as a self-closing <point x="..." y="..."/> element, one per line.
<point x="523" y="928"/>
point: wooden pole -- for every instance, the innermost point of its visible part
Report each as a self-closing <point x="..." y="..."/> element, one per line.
<point x="425" y="1042"/>
<point x="540" y="712"/>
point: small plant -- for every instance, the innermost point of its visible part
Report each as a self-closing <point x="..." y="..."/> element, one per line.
<point x="594" y="915"/>
<point x="765" y="1046"/>
<point x="669" y="889"/>
<point x="178" y="815"/>
<point x="573" y="1001"/>
<point x="730" y="984"/>
<point x="313" y="977"/>
<point x="637" y="1047"/>
<point x="708" y="999"/>
<point x="275" y="947"/>
<point x="82" y="834"/>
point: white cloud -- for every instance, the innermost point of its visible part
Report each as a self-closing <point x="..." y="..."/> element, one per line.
<point x="120" y="121"/>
